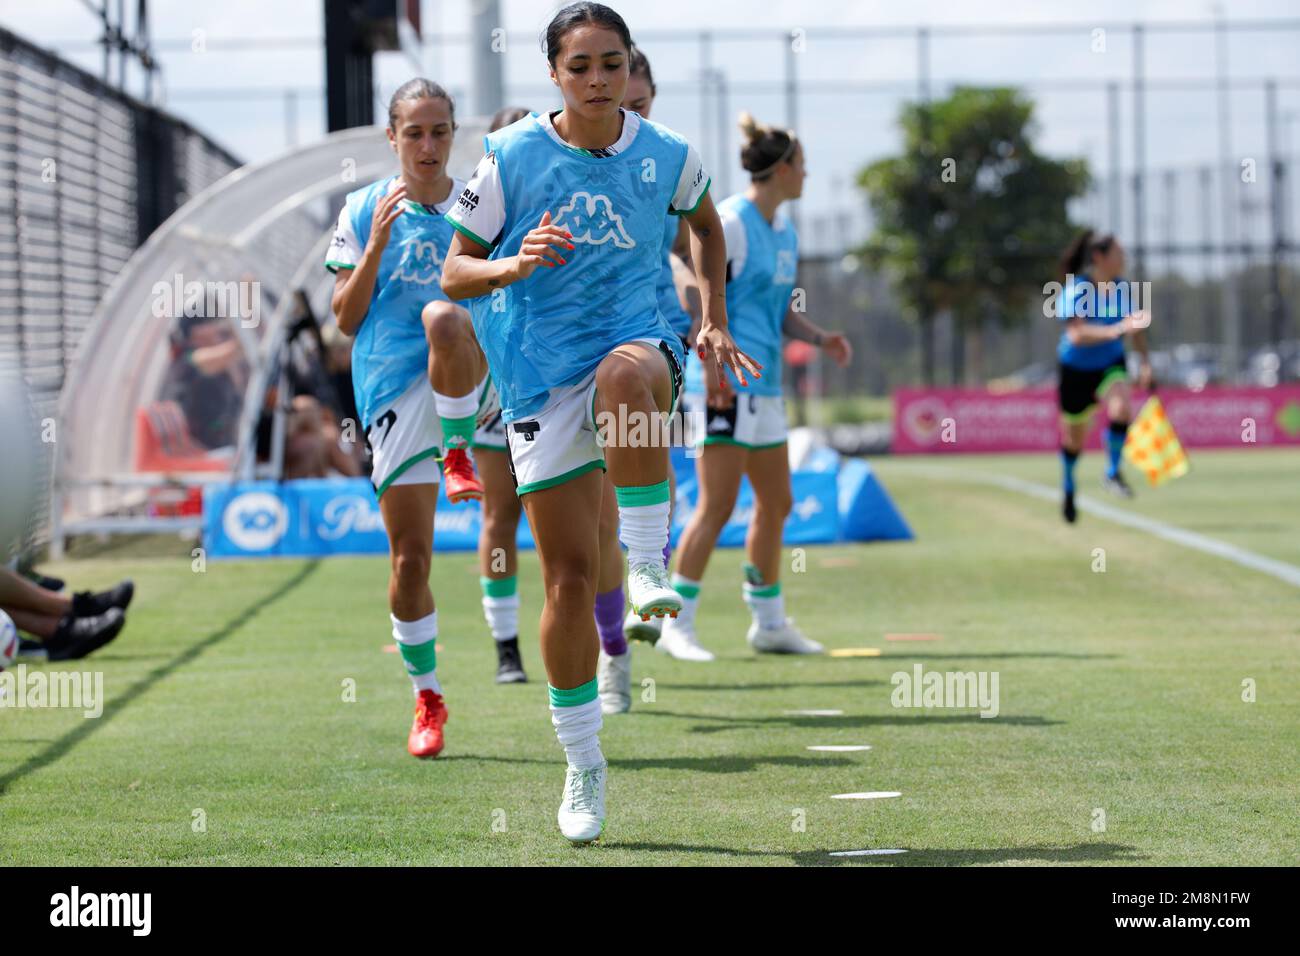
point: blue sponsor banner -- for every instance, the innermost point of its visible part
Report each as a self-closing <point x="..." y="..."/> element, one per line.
<point x="814" y="517"/>
<point x="318" y="517"/>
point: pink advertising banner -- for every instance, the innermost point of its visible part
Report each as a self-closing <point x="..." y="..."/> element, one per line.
<point x="954" y="420"/>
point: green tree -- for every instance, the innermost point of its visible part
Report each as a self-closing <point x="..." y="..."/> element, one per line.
<point x="970" y="218"/>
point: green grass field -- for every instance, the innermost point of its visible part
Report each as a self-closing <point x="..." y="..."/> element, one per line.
<point x="1120" y="691"/>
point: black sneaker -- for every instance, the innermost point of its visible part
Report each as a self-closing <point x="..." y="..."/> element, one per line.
<point x="29" y="649"/>
<point x="43" y="581"/>
<point x="510" y="666"/>
<point x="76" y="637"/>
<point x="1067" y="508"/>
<point x="1116" y="485"/>
<point x="86" y="604"/>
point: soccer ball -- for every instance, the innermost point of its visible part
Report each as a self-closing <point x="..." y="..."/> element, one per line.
<point x="8" y="640"/>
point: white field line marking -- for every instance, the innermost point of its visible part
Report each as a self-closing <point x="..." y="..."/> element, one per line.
<point x="813" y="713"/>
<point x="865" y="852"/>
<point x="869" y="795"/>
<point x="840" y="748"/>
<point x="1288" y="573"/>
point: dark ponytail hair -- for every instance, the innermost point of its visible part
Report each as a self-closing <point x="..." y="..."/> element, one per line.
<point x="638" y="65"/>
<point x="765" y="147"/>
<point x="1077" y="256"/>
<point x="505" y="116"/>
<point x="576" y="15"/>
<point x="419" y="89"/>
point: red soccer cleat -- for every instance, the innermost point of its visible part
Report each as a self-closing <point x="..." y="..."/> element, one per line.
<point x="426" y="731"/>
<point x="462" y="483"/>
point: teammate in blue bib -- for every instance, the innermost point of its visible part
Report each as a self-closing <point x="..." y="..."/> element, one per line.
<point x="498" y="553"/>
<point x="567" y="209"/>
<point x="746" y="434"/>
<point x="614" y="665"/>
<point x="1097" y="309"/>
<point x="420" y="378"/>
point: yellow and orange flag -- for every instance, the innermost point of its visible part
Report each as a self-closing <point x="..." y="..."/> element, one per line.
<point x="1152" y="446"/>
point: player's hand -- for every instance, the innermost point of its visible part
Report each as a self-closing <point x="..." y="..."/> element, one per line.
<point x="693" y="334"/>
<point x="839" y="348"/>
<point x="1136" y="321"/>
<point x="718" y="392"/>
<point x="540" y="245"/>
<point x="386" y="212"/>
<point x="718" y="352"/>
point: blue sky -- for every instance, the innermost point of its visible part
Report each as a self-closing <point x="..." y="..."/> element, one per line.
<point x="237" y="96"/>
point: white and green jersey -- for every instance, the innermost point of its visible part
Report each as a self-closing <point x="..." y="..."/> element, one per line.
<point x="561" y="322"/>
<point x="390" y="350"/>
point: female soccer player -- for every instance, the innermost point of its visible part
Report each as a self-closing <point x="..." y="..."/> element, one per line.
<point x="497" y="548"/>
<point x="614" y="666"/>
<point x="386" y="254"/>
<point x="568" y="208"/>
<point x="746" y="435"/>
<point x="1096" y="312"/>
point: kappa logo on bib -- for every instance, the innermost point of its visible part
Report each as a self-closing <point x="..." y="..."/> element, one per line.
<point x="592" y="219"/>
<point x="420" y="262"/>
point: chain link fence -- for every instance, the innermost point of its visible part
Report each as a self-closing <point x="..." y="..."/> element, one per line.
<point x="86" y="174"/>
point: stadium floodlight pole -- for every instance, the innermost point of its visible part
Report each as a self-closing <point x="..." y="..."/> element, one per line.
<point x="706" y="76"/>
<point x="349" y="78"/>
<point x="487" y="65"/>
<point x="791" y="107"/>
<point x="1276" y="303"/>
<point x="1206" y="177"/>
<point x="1170" y="217"/>
<point x="122" y="48"/>
<point x="724" y="138"/>
<point x="1139" y="156"/>
<point x="923" y="293"/>
<point x="1228" y="174"/>
<point x="1112" y="135"/>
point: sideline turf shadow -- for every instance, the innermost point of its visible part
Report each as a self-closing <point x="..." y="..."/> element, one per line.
<point x="734" y="764"/>
<point x="846" y="720"/>
<point x="85" y="728"/>
<point x="772" y="686"/>
<point x="994" y="655"/>
<point x="1076" y="855"/>
<point x="1079" y="854"/>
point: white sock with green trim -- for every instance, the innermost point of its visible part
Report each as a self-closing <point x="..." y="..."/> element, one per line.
<point x="690" y="592"/>
<point x="643" y="521"/>
<point x="766" y="604"/>
<point x="576" y="716"/>
<point x="501" y="606"/>
<point x="457" y="417"/>
<point x="417" y="642"/>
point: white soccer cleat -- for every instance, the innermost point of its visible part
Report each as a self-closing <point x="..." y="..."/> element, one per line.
<point x="614" y="682"/>
<point x="786" y="639"/>
<point x="635" y="629"/>
<point x="582" y="812"/>
<point x="649" y="592"/>
<point x="678" y="640"/>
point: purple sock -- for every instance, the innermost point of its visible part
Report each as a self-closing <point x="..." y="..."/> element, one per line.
<point x="609" y="621"/>
<point x="668" y="553"/>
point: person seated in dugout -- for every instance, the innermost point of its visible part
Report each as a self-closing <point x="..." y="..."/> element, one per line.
<point x="65" y="628"/>
<point x="314" y="446"/>
<point x="207" y="378"/>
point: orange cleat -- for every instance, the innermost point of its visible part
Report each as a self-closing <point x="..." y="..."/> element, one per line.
<point x="426" y="731"/>
<point x="462" y="483"/>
